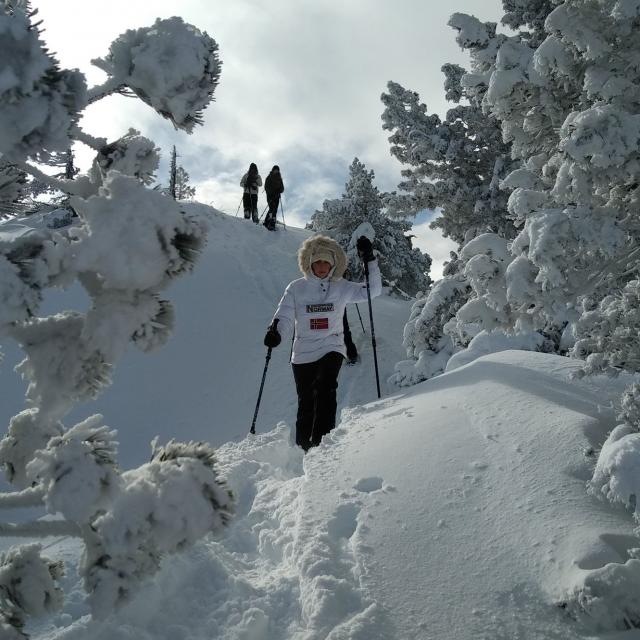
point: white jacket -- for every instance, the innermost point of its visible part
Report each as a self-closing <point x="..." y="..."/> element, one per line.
<point x="313" y="308"/>
<point x="254" y="189"/>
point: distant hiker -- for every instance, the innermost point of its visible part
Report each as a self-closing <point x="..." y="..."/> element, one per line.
<point x="313" y="308"/>
<point x="251" y="181"/>
<point x="274" y="187"/>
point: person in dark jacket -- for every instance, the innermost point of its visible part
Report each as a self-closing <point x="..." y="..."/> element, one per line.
<point x="251" y="181"/>
<point x="273" y="187"/>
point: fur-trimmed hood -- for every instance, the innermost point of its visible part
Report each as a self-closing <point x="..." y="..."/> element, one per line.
<point x="316" y="244"/>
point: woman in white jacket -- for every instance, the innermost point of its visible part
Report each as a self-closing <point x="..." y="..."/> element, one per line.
<point x="312" y="308"/>
<point x="251" y="181"/>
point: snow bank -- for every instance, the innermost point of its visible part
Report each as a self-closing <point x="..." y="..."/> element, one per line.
<point x="494" y="342"/>
<point x="456" y="511"/>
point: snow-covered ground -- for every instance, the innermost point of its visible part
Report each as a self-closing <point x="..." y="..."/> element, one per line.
<point x="455" y="509"/>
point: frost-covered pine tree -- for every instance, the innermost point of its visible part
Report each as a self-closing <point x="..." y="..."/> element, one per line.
<point x="453" y="165"/>
<point x="403" y="267"/>
<point x="568" y="103"/>
<point x="184" y="190"/>
<point x="607" y="333"/>
<point x="461" y="164"/>
<point x="173" y="170"/>
<point x="128" y="244"/>
<point x="467" y="310"/>
<point x="179" y="187"/>
<point x="428" y="342"/>
<point x="13" y="190"/>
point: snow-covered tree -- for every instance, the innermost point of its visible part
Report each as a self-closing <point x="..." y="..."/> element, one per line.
<point x="132" y="155"/>
<point x="460" y="165"/>
<point x="20" y="598"/>
<point x="173" y="171"/>
<point x="179" y="187"/>
<point x="630" y="407"/>
<point x="607" y="335"/>
<point x="427" y="340"/>
<point x="13" y="189"/>
<point x="172" y="66"/>
<point x="403" y="267"/>
<point x="568" y="104"/>
<point x="128" y="244"/>
<point x="184" y="190"/>
<point x="485" y="260"/>
<point x="573" y="194"/>
<point x="453" y="165"/>
<point x="468" y="310"/>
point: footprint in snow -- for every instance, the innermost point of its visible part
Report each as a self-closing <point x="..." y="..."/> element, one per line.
<point x="344" y="521"/>
<point x="367" y="485"/>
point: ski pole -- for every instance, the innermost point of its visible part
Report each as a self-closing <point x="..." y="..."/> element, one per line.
<point x="282" y="209"/>
<point x="373" y="333"/>
<point x="238" y="209"/>
<point x="263" y="212"/>
<point x="264" y="375"/>
<point x="359" y="316"/>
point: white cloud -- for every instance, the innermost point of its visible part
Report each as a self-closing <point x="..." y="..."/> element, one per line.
<point x="300" y="86"/>
<point x="432" y="242"/>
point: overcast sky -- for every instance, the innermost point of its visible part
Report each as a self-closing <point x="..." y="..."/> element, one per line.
<point x="300" y="87"/>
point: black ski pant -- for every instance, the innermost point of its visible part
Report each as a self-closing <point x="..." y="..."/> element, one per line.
<point x="352" y="352"/>
<point x="316" y="384"/>
<point x="250" y="206"/>
<point x="273" y="199"/>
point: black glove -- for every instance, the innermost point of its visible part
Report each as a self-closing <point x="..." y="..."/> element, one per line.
<point x="272" y="337"/>
<point x="365" y="249"/>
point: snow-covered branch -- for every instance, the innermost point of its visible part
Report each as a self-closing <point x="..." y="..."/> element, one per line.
<point x="107" y="88"/>
<point x="90" y="141"/>
<point x="40" y="529"/>
<point x="30" y="497"/>
<point x="128" y="243"/>
<point x="66" y="186"/>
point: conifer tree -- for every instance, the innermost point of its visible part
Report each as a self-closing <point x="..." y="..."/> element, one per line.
<point x="567" y="102"/>
<point x="403" y="267"/>
<point x="14" y="190"/>
<point x="179" y="187"/>
<point x="184" y="191"/>
<point x="453" y="165"/>
<point x="462" y="165"/>
<point x="173" y="169"/>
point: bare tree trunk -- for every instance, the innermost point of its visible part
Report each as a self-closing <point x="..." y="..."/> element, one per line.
<point x="172" y="176"/>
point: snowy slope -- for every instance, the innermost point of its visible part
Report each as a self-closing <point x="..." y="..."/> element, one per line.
<point x="456" y="509"/>
<point x="203" y="384"/>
